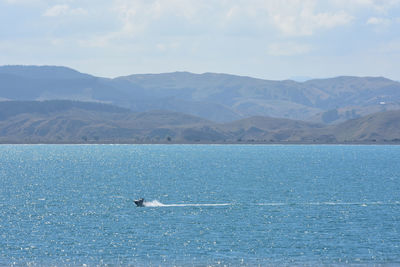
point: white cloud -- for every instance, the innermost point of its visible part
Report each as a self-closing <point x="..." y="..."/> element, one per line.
<point x="301" y="18"/>
<point x="141" y="17"/>
<point x="160" y="22"/>
<point x="378" y="21"/>
<point x="384" y="6"/>
<point x="59" y="10"/>
<point x="139" y="13"/>
<point x="380" y="6"/>
<point x="289" y="17"/>
<point x="20" y="1"/>
<point x="288" y="49"/>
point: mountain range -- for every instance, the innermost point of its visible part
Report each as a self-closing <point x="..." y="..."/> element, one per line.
<point x="50" y="104"/>
<point x="66" y="121"/>
<point x="216" y="97"/>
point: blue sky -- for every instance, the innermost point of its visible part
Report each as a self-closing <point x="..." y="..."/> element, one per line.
<point x="271" y="39"/>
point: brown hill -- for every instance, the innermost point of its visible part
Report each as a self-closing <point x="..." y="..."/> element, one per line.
<point x="80" y="122"/>
<point x="377" y="127"/>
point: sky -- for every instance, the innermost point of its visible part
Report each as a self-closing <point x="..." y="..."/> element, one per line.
<point x="269" y="39"/>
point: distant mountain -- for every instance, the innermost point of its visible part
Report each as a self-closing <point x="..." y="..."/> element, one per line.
<point x="49" y="83"/>
<point x="43" y="72"/>
<point x="72" y="121"/>
<point x="378" y="127"/>
<point x="216" y="97"/>
<point x="64" y="121"/>
<point x="312" y="100"/>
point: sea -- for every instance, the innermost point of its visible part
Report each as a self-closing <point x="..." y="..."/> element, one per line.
<point x="205" y="205"/>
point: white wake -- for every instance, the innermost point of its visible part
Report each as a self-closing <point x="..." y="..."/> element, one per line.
<point x="156" y="203"/>
<point x="331" y="203"/>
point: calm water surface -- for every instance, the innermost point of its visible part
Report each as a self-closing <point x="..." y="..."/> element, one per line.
<point x="206" y="205"/>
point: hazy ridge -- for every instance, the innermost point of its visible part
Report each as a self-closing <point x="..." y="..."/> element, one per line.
<point x="216" y="97"/>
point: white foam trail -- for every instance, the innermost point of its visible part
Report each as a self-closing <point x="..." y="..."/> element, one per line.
<point x="331" y="204"/>
<point x="273" y="204"/>
<point x="156" y="203"/>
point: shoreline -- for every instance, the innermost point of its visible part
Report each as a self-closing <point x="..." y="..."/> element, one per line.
<point x="200" y="143"/>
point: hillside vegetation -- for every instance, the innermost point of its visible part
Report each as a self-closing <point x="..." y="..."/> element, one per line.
<point x="65" y="121"/>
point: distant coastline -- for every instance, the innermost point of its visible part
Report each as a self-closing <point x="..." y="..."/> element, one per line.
<point x="203" y="143"/>
<point x="74" y="122"/>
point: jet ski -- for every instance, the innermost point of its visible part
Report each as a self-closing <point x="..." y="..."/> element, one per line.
<point x="139" y="202"/>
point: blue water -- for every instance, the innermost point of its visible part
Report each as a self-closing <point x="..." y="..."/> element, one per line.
<point x="206" y="205"/>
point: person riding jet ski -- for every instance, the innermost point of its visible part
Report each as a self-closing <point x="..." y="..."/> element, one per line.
<point x="139" y="202"/>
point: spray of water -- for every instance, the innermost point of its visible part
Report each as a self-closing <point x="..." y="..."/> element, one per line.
<point x="154" y="203"/>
